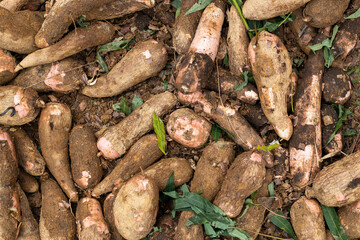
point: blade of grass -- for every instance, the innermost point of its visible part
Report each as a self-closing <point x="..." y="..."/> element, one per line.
<point x="333" y="223"/>
<point x="283" y="223"/>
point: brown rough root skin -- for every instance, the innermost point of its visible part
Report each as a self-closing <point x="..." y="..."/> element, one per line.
<point x="307" y="219"/>
<point x="350" y="218"/>
<point x="135" y="207"/>
<point x="10" y="212"/>
<point x="54" y="128"/>
<point x="339" y="183"/>
<point x="27" y="182"/>
<point x="272" y="69"/>
<point x="90" y="221"/>
<point x="28" y="155"/>
<point x="141" y="155"/>
<point x="194" y="232"/>
<point x="86" y="167"/>
<point x="305" y="144"/>
<point x="109" y="216"/>
<point x="56" y="219"/>
<point x="7" y="66"/>
<point x="118" y="138"/>
<point x="324" y="13"/>
<point x="336" y="86"/>
<point x="8" y="165"/>
<point x="143" y="61"/>
<point x="245" y="176"/>
<point x="61" y="15"/>
<point x="329" y="119"/>
<point x="188" y="128"/>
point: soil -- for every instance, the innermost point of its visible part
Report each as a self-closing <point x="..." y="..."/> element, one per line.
<point x="157" y="23"/>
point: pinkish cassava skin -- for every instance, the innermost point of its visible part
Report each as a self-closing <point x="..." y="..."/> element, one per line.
<point x="160" y="172"/>
<point x="143" y="61"/>
<point x="28" y="155"/>
<point x="307" y="219"/>
<point x="336" y="86"/>
<point x="227" y="82"/>
<point x="57" y="222"/>
<point x="245" y="175"/>
<point x="109" y="216"/>
<point x="118" y="8"/>
<point x="229" y="119"/>
<point x="96" y="34"/>
<point x="135" y="207"/>
<point x="272" y="68"/>
<point x="24" y="103"/>
<point x="197" y="64"/>
<point x="29" y="229"/>
<point x="118" y="138"/>
<point x="27" y="182"/>
<point x="62" y="76"/>
<point x="86" y="167"/>
<point x="185" y="27"/>
<point x="329" y="119"/>
<point x="270" y="8"/>
<point x="7" y="66"/>
<point x="188" y="128"/>
<point x="238" y="42"/>
<point x="142" y="154"/>
<point x="54" y="128"/>
<point x="339" y="183"/>
<point x="90" y="221"/>
<point x="61" y="15"/>
<point x="305" y="144"/>
<point x="18" y="30"/>
<point x="349" y="216"/>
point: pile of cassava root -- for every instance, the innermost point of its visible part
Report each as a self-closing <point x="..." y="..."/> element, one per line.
<point x="47" y="55"/>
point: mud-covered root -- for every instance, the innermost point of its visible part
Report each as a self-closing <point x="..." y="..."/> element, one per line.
<point x="245" y="176"/>
<point x="329" y="119"/>
<point x="349" y="216"/>
<point x="336" y="86"/>
<point x="304" y="34"/>
<point x="135" y="207"/>
<point x="86" y="167"/>
<point x="90" y="221"/>
<point x="56" y="219"/>
<point x="118" y="138"/>
<point x="117" y="9"/>
<point x="270" y="8"/>
<point x="228" y="82"/>
<point x="324" y="13"/>
<point x="18" y="106"/>
<point x="9" y="163"/>
<point x="61" y="15"/>
<point x="305" y="144"/>
<point x="27" y="182"/>
<point x="7" y="66"/>
<point x="13" y="5"/>
<point x="254" y="115"/>
<point x="144" y="60"/>
<point x="54" y="128"/>
<point x="238" y="42"/>
<point x="160" y="172"/>
<point x="63" y="76"/>
<point x="193" y="232"/>
<point x="77" y="40"/>
<point x="307" y="219"/>
<point x="18" y="30"/>
<point x="197" y="64"/>
<point x="339" y="183"/>
<point x="142" y="154"/>
<point x="29" y="228"/>
<point x="281" y="163"/>
<point x="10" y="212"/>
<point x="188" y="128"/>
<point x="272" y="69"/>
<point x="109" y="216"/>
<point x="28" y="155"/>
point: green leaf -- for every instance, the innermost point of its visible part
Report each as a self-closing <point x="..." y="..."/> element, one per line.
<point x="253" y="195"/>
<point x="160" y="132"/>
<point x="316" y="47"/>
<point x="122" y="106"/>
<point x="328" y="56"/>
<point x="343" y="114"/>
<point x="283" y="223"/>
<point x="170" y="185"/>
<point x="226" y="60"/>
<point x="216" y="132"/>
<point x="201" y="4"/>
<point x="136" y="102"/>
<point x="165" y="85"/>
<point x="82" y="22"/>
<point x="333" y="222"/>
<point x="112" y="46"/>
<point x="350" y="132"/>
<point x="239" y="2"/>
<point x="267" y="148"/>
<point x="354" y="15"/>
<point x="177" y="4"/>
<point x="271" y="189"/>
<point x="272" y="25"/>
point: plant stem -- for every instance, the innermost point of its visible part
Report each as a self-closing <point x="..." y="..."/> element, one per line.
<point x="242" y="17"/>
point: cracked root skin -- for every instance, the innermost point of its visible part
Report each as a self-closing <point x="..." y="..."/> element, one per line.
<point x="272" y="70"/>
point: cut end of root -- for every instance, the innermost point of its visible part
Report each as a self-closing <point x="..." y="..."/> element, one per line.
<point x="309" y="193"/>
